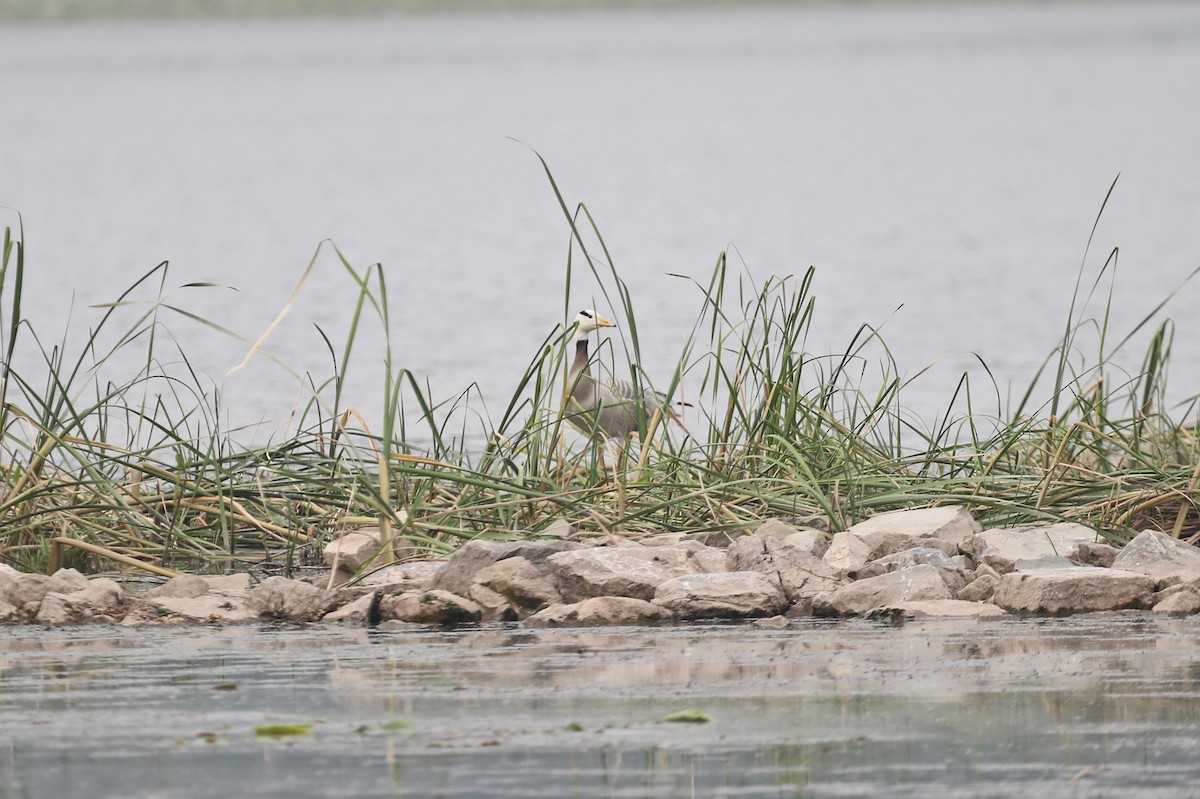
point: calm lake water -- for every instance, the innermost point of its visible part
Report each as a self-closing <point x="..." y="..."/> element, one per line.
<point x="941" y="166"/>
<point x="1101" y="706"/>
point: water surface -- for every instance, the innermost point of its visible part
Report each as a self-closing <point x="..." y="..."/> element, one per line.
<point x="1090" y="706"/>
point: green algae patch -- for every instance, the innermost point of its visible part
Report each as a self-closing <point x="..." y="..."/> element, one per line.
<point x="282" y="730"/>
<point x="688" y="717"/>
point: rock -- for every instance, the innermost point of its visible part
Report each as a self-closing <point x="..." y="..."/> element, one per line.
<point x="430" y="607"/>
<point x="948" y="607"/>
<point x="1101" y="555"/>
<point x="100" y="596"/>
<point x="954" y="577"/>
<point x="416" y="575"/>
<point x="228" y="583"/>
<point x="1077" y="589"/>
<point x="800" y="574"/>
<point x="716" y="538"/>
<point x="1157" y="555"/>
<point x="559" y="528"/>
<point x="29" y="589"/>
<point x="981" y="589"/>
<point x="354" y="549"/>
<point x="1001" y="549"/>
<point x="849" y="552"/>
<point x="1049" y="563"/>
<point x="726" y="595"/>
<point x="521" y="583"/>
<point x="600" y="611"/>
<point x="467" y="560"/>
<point x="8" y="611"/>
<point x="887" y="590"/>
<point x="950" y="523"/>
<point x="707" y="559"/>
<point x="212" y="607"/>
<point x="773" y="623"/>
<point x="1182" y="602"/>
<point x="814" y="542"/>
<point x="289" y="600"/>
<point x="664" y="540"/>
<point x="184" y="586"/>
<point x="493" y="606"/>
<point x="616" y="571"/>
<point x="355" y="611"/>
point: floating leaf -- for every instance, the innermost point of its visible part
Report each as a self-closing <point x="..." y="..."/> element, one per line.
<point x="574" y="726"/>
<point x="689" y="717"/>
<point x="225" y="686"/>
<point x="282" y="730"/>
<point x="396" y="725"/>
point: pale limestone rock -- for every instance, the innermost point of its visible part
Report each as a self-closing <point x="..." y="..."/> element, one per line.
<point x="814" y="542"/>
<point x="663" y="540"/>
<point x="184" y="586"/>
<point x="1101" y="555"/>
<point x="950" y="523"/>
<point x="493" y="606"/>
<point x="849" y="552"/>
<point x="1157" y="555"/>
<point x="800" y="574"/>
<point x="708" y="559"/>
<point x="228" y="583"/>
<point x="601" y="611"/>
<point x="290" y="600"/>
<point x="981" y="589"/>
<point x="955" y="577"/>
<point x="56" y="610"/>
<point x="8" y="582"/>
<point x="725" y="595"/>
<point x="467" y="560"/>
<point x="29" y="589"/>
<point x="214" y="606"/>
<point x="1077" y="589"/>
<point x="8" y="611"/>
<point x="616" y="571"/>
<point x="66" y="581"/>
<point x="949" y="607"/>
<point x="559" y="528"/>
<point x="1183" y="602"/>
<point x="521" y="582"/>
<point x="1001" y="549"/>
<point x="354" y="549"/>
<point x="355" y="611"/>
<point x="416" y="575"/>
<point x="100" y="596"/>
<point x="885" y="591"/>
<point x="430" y="607"/>
<point x="772" y="623"/>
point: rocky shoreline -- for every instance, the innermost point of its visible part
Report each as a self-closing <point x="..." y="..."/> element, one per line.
<point x="927" y="562"/>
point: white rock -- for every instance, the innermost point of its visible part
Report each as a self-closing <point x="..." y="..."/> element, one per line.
<point x="951" y="523"/>
<point x="1157" y="555"/>
<point x="604" y="611"/>
<point x="721" y="595"/>
<point x="353" y="550"/>
<point x="1078" y="589"/>
<point x="885" y="591"/>
<point x="1001" y="549"/>
<point x="616" y="571"/>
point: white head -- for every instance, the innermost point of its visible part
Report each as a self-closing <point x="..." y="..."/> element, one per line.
<point x="589" y="321"/>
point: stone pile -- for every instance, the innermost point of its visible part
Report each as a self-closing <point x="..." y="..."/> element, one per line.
<point x="929" y="562"/>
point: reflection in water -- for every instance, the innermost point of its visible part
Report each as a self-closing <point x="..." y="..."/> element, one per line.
<point x="1064" y="707"/>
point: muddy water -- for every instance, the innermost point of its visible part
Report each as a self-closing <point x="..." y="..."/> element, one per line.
<point x="1084" y="707"/>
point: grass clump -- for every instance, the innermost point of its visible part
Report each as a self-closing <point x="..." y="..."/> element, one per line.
<point x="142" y="473"/>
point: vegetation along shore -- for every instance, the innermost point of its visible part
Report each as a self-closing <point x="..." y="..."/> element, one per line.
<point x="136" y="478"/>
